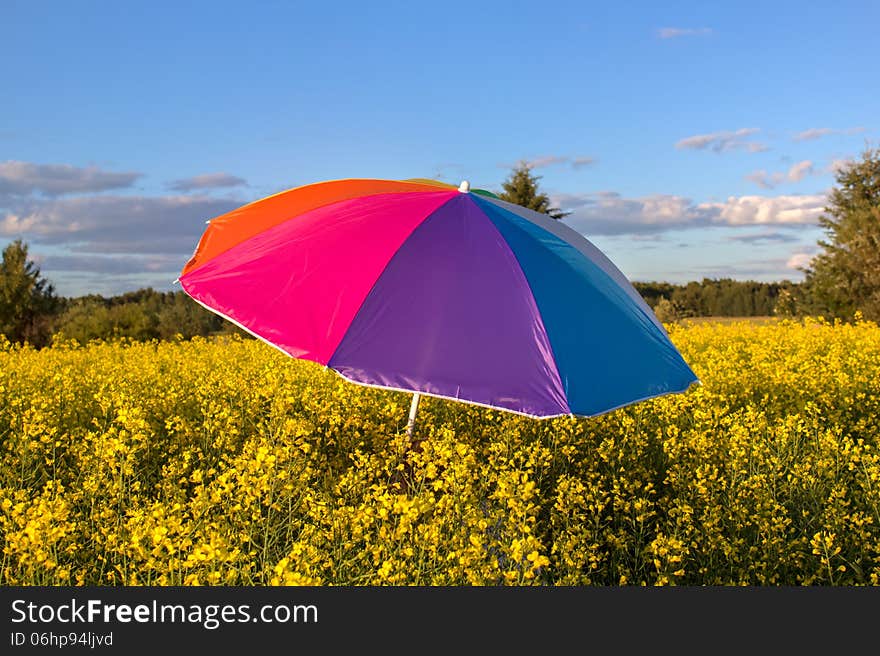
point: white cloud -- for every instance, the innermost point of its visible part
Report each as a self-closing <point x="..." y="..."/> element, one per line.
<point x="799" y="261"/>
<point x="112" y="264"/>
<point x="609" y="213"/>
<point x="117" y="224"/>
<point x="812" y="133"/>
<point x="800" y="170"/>
<point x="723" y="141"/>
<point x="546" y="160"/>
<point x="764" y="237"/>
<point x="551" y="160"/>
<point x="803" y="257"/>
<point x="108" y="244"/>
<point x="675" y="32"/>
<point x="836" y="165"/>
<point x="207" y="181"/>
<point x="25" y="178"/>
<point x="795" y="173"/>
<point x="767" y="210"/>
<point x="765" y="180"/>
<point x="768" y="269"/>
<point x="582" y="162"/>
<point x="816" y="133"/>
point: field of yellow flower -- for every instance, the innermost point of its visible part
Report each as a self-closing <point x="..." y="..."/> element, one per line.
<point x="225" y="462"/>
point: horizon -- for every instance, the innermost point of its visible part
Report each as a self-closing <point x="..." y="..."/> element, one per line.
<point x="690" y="142"/>
<point x="177" y="288"/>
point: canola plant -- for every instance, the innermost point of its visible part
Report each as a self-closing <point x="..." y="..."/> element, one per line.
<point x="222" y="461"/>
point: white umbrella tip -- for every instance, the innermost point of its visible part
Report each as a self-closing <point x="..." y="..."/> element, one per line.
<point x="464" y="187"/>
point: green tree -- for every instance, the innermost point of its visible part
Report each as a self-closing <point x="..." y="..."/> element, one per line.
<point x="85" y="319"/>
<point x="845" y="276"/>
<point x="667" y="311"/>
<point x="182" y="315"/>
<point x="143" y="314"/>
<point x="786" y="304"/>
<point x="521" y="188"/>
<point x="27" y="300"/>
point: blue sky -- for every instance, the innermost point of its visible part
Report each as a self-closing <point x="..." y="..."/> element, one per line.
<point x="689" y="140"/>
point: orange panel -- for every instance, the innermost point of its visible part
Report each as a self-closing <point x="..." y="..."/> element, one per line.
<point x="242" y="223"/>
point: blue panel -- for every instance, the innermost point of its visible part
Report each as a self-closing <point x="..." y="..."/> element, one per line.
<point x="608" y="351"/>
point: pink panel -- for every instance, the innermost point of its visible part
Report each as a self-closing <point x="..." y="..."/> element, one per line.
<point x="299" y="284"/>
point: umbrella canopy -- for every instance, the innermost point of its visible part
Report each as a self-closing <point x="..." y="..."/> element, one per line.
<point x="423" y="287"/>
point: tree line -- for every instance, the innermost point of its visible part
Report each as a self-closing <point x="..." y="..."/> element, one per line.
<point x="843" y="281"/>
<point x="31" y="312"/>
<point x="723" y="297"/>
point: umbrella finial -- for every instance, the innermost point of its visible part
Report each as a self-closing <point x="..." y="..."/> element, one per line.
<point x="464" y="187"/>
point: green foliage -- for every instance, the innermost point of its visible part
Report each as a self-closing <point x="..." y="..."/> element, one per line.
<point x="31" y="312"/>
<point x="786" y="304"/>
<point x="521" y="188"/>
<point x="717" y="298"/>
<point x="667" y="311"/>
<point x="141" y="315"/>
<point x="845" y="277"/>
<point x="225" y="462"/>
<point x="27" y="300"/>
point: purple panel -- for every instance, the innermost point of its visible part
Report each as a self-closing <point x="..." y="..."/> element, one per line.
<point x="453" y="315"/>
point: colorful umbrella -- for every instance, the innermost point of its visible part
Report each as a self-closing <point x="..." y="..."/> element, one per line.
<point x="421" y="287"/>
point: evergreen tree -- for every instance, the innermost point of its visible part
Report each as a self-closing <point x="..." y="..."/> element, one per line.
<point x="521" y="188"/>
<point x="845" y="277"/>
<point x="27" y="300"/>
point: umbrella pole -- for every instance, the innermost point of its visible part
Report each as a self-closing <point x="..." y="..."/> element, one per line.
<point x="413" y="409"/>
